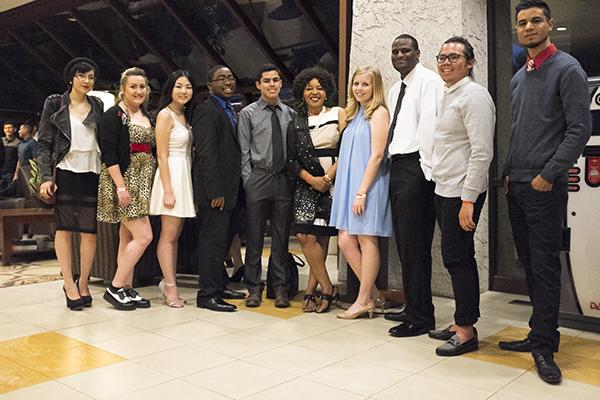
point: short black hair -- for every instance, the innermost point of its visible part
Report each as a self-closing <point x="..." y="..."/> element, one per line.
<point x="324" y="77"/>
<point x="28" y="124"/>
<point x="8" y="123"/>
<point x="211" y="72"/>
<point x="526" y="4"/>
<point x="267" y="68"/>
<point x="469" y="52"/>
<point x="415" y="44"/>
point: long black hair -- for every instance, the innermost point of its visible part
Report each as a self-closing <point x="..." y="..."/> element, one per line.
<point x="167" y="93"/>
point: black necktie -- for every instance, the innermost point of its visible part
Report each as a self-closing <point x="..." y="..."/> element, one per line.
<point x="396" y="111"/>
<point x="277" y="138"/>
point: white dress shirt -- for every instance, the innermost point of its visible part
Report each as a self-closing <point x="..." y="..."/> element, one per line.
<point x="416" y="119"/>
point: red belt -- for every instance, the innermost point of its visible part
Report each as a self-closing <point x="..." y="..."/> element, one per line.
<point x="140" y="148"/>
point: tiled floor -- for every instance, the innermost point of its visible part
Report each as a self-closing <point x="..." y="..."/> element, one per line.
<point x="48" y="352"/>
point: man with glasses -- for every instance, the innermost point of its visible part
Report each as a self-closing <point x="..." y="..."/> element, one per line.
<point x="216" y="175"/>
<point x="551" y="124"/>
<point x="414" y="100"/>
<point x="262" y="130"/>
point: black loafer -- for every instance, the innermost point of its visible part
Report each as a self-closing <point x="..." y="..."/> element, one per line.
<point x="522" y="346"/>
<point x="547" y="368"/>
<point x="442" y="334"/>
<point x="233" y="294"/>
<point x="215" y="304"/>
<point x="453" y="347"/>
<point x="408" y="329"/>
<point x="401" y="316"/>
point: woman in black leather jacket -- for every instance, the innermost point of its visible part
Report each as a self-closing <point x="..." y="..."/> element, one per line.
<point x="68" y="144"/>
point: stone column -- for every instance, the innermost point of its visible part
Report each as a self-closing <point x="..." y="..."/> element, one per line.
<point x="375" y="24"/>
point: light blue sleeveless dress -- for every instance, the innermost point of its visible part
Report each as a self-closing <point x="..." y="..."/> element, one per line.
<point x="355" y="151"/>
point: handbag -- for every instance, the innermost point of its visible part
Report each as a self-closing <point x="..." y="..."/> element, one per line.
<point x="34" y="183"/>
<point x="292" y="265"/>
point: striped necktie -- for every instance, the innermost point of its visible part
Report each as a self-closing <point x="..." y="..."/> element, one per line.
<point x="530" y="65"/>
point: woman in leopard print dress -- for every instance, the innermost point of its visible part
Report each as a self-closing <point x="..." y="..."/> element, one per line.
<point x="126" y="141"/>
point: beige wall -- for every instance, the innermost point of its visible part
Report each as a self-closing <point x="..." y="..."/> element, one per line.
<point x="374" y="26"/>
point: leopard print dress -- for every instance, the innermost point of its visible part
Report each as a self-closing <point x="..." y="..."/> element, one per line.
<point x="138" y="180"/>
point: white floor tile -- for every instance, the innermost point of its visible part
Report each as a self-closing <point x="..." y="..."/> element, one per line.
<point x="114" y="380"/>
<point x="185" y="360"/>
<point x="340" y="343"/>
<point x="193" y="331"/>
<point x="303" y="389"/>
<point x="403" y="357"/>
<point x="238" y="379"/>
<point x="51" y="390"/>
<point x="289" y="330"/>
<point x="176" y="390"/>
<point x="357" y="377"/>
<point x="469" y="372"/>
<point x="419" y="387"/>
<point x="13" y="328"/>
<point x="54" y="316"/>
<point x="240" y="344"/>
<point x="239" y="320"/>
<point x="99" y="331"/>
<point x="530" y="387"/>
<point x="138" y="344"/>
<point x="158" y="319"/>
<point x="293" y="359"/>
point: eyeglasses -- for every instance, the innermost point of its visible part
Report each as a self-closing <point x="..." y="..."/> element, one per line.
<point x="223" y="79"/>
<point x="453" y="58"/>
<point x="83" y="77"/>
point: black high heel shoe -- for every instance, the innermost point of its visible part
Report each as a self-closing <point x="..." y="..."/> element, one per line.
<point x="239" y="275"/>
<point x="87" y="300"/>
<point x="73" y="305"/>
<point x="328" y="300"/>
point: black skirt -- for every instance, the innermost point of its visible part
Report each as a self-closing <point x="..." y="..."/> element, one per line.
<point x="76" y="201"/>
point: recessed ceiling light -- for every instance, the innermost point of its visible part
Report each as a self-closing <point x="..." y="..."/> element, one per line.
<point x="561" y="28"/>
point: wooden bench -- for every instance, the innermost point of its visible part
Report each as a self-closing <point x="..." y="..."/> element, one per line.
<point x="10" y="219"/>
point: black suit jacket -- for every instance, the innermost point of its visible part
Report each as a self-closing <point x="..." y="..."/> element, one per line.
<point x="216" y="170"/>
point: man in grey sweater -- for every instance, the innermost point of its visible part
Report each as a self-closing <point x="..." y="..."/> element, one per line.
<point x="551" y="124"/>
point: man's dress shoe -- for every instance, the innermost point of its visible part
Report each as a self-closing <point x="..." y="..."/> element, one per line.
<point x="409" y="329"/>
<point x="215" y="304"/>
<point x="547" y="368"/>
<point x="442" y="334"/>
<point x="233" y="294"/>
<point x="523" y="346"/>
<point x="453" y="347"/>
<point x="396" y="316"/>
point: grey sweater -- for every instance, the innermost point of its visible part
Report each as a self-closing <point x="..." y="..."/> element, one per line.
<point x="551" y="121"/>
<point x="463" y="141"/>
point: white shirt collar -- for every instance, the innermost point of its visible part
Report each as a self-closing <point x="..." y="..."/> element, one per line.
<point x="456" y="85"/>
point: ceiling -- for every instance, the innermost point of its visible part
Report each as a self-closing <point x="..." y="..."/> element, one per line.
<point x="37" y="38"/>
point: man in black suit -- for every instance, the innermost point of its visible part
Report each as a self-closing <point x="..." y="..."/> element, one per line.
<point x="216" y="176"/>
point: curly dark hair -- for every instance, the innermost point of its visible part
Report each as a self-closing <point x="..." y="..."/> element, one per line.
<point x="324" y="77"/>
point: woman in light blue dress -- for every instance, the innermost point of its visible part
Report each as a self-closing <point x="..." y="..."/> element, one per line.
<point x="361" y="208"/>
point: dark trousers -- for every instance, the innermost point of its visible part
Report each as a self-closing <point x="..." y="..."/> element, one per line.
<point x="537" y="220"/>
<point x="458" y="254"/>
<point x="214" y="241"/>
<point x="413" y="216"/>
<point x="276" y="207"/>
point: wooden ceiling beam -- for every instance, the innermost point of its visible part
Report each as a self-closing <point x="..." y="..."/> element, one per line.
<point x="258" y="37"/>
<point x="120" y="61"/>
<point x="316" y="24"/>
<point x="34" y="89"/>
<point x="165" y="62"/>
<point x="37" y="54"/>
<point x="63" y="45"/>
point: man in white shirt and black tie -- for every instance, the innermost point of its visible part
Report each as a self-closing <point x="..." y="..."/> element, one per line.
<point x="414" y="101"/>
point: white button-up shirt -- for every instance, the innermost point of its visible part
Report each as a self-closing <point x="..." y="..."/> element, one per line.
<point x="416" y="119"/>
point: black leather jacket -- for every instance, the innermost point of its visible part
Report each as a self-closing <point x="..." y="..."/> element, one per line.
<point x="54" y="135"/>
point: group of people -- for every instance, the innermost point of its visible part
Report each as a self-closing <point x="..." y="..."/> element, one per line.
<point x="378" y="168"/>
<point x="17" y="147"/>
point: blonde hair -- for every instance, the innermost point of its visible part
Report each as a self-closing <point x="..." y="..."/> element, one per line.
<point x="133" y="71"/>
<point x="378" y="98"/>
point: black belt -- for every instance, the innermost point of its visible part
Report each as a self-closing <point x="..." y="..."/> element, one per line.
<point x="404" y="156"/>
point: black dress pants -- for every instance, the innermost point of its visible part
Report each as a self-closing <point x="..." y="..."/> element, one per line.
<point x="537" y="219"/>
<point x="214" y="241"/>
<point x="458" y="254"/>
<point x="274" y="204"/>
<point x="413" y="216"/>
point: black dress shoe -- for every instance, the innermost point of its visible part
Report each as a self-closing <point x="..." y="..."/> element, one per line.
<point x="401" y="316"/>
<point x="547" y="368"/>
<point x="215" y="304"/>
<point x="408" y="329"/>
<point x="453" y="347"/>
<point x="233" y="294"/>
<point x="442" y="334"/>
<point x="523" y="346"/>
<point x="281" y="298"/>
<point x="74" y="305"/>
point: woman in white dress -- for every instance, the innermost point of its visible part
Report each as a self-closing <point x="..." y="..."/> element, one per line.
<point x="172" y="196"/>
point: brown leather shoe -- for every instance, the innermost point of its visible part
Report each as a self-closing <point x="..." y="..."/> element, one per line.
<point x="281" y="298"/>
<point x="254" y="300"/>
